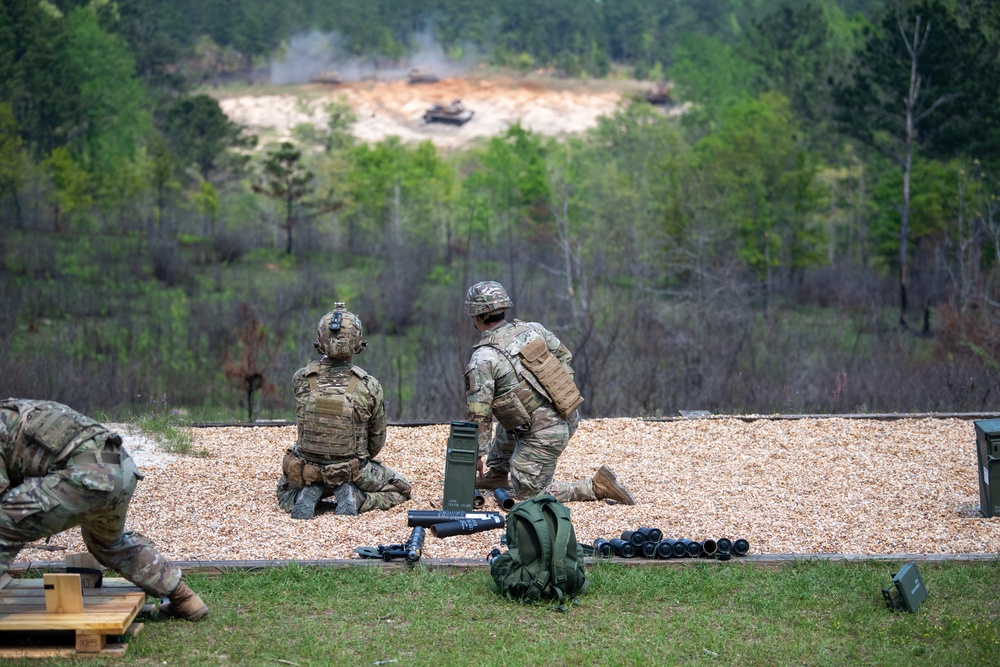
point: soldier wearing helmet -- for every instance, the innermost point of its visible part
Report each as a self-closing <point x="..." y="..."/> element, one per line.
<point x="520" y="374"/>
<point x="60" y="469"/>
<point x="340" y="412"/>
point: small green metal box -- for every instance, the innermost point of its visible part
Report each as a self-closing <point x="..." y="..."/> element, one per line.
<point x="460" y="467"/>
<point x="910" y="590"/>
<point x="988" y="458"/>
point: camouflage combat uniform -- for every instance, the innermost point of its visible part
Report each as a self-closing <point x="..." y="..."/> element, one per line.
<point x="60" y="469"/>
<point x="529" y="452"/>
<point x="383" y="488"/>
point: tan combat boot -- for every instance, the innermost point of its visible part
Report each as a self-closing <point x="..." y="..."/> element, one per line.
<point x="493" y="479"/>
<point x="184" y="603"/>
<point x="607" y="487"/>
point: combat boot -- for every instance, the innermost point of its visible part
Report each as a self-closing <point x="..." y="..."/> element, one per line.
<point x="305" y="501"/>
<point x="607" y="487"/>
<point x="349" y="499"/>
<point x="184" y="603"/>
<point x="493" y="479"/>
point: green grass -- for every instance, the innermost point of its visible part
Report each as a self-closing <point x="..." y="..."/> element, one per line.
<point x="810" y="613"/>
<point x="167" y="431"/>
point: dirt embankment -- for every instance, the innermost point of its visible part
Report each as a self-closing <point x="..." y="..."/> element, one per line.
<point x="386" y="108"/>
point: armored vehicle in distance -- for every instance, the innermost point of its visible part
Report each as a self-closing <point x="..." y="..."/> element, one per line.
<point x="659" y="94"/>
<point x="328" y="77"/>
<point x="422" y="75"/>
<point x="454" y="113"/>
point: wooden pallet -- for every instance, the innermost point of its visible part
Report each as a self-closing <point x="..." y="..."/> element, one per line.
<point x="28" y="630"/>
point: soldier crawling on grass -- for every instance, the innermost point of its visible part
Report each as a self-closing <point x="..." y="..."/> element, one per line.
<point x="520" y="373"/>
<point x="340" y="412"/>
<point x="60" y="469"/>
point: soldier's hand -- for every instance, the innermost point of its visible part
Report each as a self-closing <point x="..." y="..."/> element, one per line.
<point x="480" y="470"/>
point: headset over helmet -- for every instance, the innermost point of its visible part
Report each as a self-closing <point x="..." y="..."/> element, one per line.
<point x="486" y="297"/>
<point x="338" y="335"/>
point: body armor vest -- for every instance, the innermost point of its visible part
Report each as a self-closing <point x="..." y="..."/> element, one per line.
<point x="538" y="383"/>
<point x="47" y="433"/>
<point x="329" y="429"/>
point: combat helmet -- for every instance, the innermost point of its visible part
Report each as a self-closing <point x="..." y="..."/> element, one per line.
<point x="486" y="297"/>
<point x="338" y="334"/>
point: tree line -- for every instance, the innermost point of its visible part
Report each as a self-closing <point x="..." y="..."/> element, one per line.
<point x="817" y="232"/>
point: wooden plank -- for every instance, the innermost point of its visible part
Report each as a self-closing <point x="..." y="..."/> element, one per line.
<point x="63" y="643"/>
<point x="102" y="614"/>
<point x="107" y="624"/>
<point x="63" y="593"/>
<point x="57" y="651"/>
<point x="89" y="643"/>
<point x="4" y="580"/>
<point x="114" y="607"/>
<point x="115" y="583"/>
<point x="89" y="601"/>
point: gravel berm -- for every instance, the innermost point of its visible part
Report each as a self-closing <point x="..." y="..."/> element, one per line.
<point x="805" y="486"/>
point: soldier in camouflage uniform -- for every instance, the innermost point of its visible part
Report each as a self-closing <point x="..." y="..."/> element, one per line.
<point x="60" y="469"/>
<point x="520" y="373"/>
<point x="340" y="412"/>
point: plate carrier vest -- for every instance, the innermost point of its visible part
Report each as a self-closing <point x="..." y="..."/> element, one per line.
<point x="47" y="433"/>
<point x="329" y="431"/>
<point x="542" y="377"/>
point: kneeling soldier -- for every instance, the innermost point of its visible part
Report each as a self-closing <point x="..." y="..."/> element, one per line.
<point x="60" y="469"/>
<point x="340" y="412"/>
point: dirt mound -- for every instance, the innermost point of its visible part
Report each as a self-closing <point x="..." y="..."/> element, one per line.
<point x="386" y="108"/>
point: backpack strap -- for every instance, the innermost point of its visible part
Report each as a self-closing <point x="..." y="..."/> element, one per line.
<point x="560" y="548"/>
<point x="541" y="528"/>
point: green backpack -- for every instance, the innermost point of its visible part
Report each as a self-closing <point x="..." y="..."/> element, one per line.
<point x="543" y="560"/>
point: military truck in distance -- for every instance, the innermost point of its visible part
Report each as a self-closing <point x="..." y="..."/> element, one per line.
<point x="659" y="94"/>
<point x="328" y="77"/>
<point x="454" y="113"/>
<point x="421" y="75"/>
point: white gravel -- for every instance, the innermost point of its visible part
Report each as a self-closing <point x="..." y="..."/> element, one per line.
<point x="805" y="486"/>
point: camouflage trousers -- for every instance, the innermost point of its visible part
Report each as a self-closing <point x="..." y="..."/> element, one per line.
<point x="95" y="497"/>
<point x="530" y="457"/>
<point x="383" y="488"/>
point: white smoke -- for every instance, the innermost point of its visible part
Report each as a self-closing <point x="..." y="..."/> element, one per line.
<point x="313" y="53"/>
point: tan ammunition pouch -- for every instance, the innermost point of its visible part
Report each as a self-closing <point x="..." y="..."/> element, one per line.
<point x="552" y="375"/>
<point x="514" y="408"/>
<point x="300" y="472"/>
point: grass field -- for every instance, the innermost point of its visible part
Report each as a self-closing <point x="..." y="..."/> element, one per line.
<point x="807" y="613"/>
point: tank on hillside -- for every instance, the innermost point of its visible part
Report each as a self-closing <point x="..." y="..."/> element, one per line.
<point x="421" y="75"/>
<point x="454" y="113"/>
<point x="659" y="94"/>
<point x="328" y="77"/>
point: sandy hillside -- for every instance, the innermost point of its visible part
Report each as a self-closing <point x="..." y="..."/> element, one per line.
<point x="803" y="486"/>
<point x="386" y="108"/>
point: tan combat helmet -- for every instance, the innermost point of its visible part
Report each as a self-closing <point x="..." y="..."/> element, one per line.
<point x="486" y="297"/>
<point x="338" y="334"/>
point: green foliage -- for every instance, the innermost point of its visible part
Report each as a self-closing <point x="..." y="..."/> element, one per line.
<point x="37" y="75"/>
<point x="126" y="249"/>
<point x="286" y="179"/>
<point x="200" y="135"/>
<point x="952" y="106"/>
<point x="14" y="161"/>
<point x="770" y="178"/>
<point x="71" y="186"/>
<point x="167" y="430"/>
<point x="113" y="123"/>
<point x="713" y="76"/>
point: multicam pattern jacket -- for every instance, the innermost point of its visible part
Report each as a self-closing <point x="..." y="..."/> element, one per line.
<point x="36" y="436"/>
<point x="367" y="400"/>
<point x="492" y="372"/>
